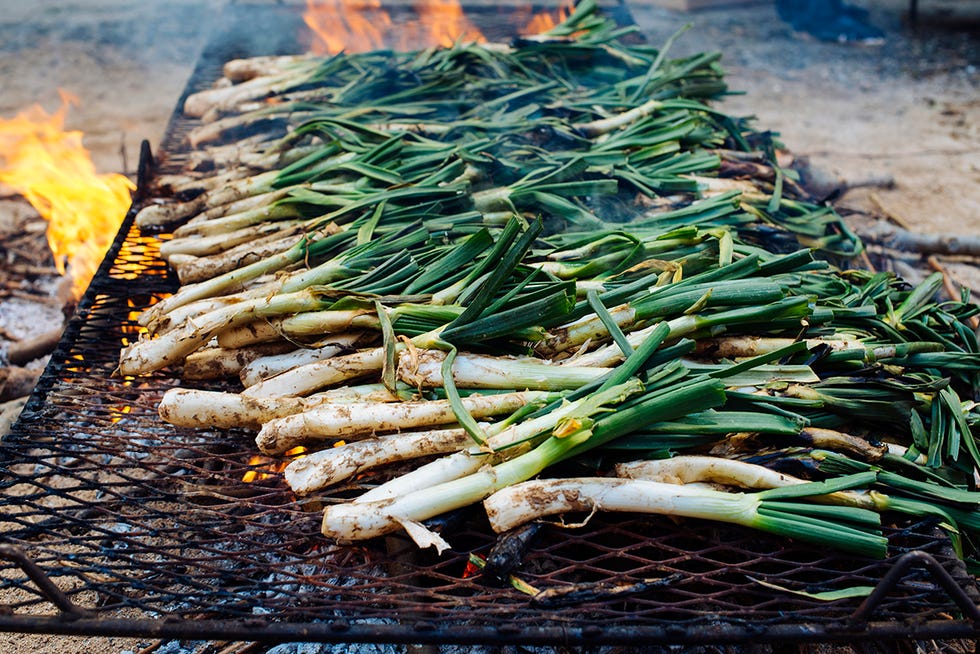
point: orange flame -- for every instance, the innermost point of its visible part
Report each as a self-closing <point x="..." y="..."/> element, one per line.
<point x="443" y="23"/>
<point x="346" y="25"/>
<point x="362" y="25"/>
<point x="52" y="169"/>
<point x="546" y="20"/>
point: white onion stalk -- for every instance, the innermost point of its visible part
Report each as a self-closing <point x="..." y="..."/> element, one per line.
<point x="839" y="441"/>
<point x="468" y="371"/>
<point x="243" y="158"/>
<point x="365" y="418"/>
<point x="161" y="323"/>
<point x="195" y="182"/>
<point x="691" y="469"/>
<point x="744" y="346"/>
<point x="532" y="500"/>
<point x="198" y="104"/>
<point x="254" y="333"/>
<point x="583" y="330"/>
<point x="688" y="469"/>
<point x="714" y="323"/>
<point x="203" y="246"/>
<point x="186" y="407"/>
<point x="259" y="158"/>
<point x="162" y="214"/>
<point x="605" y="125"/>
<point x="264" y="367"/>
<point x="226" y="163"/>
<point x="305" y="379"/>
<point x="241" y="70"/>
<point x="191" y="269"/>
<point x="331" y="466"/>
<point x="221" y="363"/>
<point x="328" y="324"/>
<point x="217" y="124"/>
<point x="479" y="371"/>
<point x="515" y="505"/>
<point x="302" y="326"/>
<point x="231" y="222"/>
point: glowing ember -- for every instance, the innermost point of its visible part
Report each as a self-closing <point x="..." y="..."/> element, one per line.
<point x="264" y="467"/>
<point x="474" y="565"/>
<point x="261" y="464"/>
<point x="52" y="169"/>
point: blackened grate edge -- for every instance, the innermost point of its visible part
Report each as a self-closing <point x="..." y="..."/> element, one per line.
<point x="153" y="531"/>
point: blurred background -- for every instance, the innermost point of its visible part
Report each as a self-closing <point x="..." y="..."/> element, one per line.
<point x="890" y="132"/>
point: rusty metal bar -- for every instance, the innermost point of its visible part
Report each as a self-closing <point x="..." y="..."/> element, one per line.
<point x="341" y="631"/>
<point x="143" y="172"/>
<point x="69" y="610"/>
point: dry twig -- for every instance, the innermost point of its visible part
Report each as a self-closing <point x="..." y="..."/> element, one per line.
<point x="888" y="212"/>
<point x="899" y="238"/>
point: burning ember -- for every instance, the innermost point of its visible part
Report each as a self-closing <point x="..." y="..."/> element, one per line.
<point x="52" y="169"/>
<point x="264" y="467"/>
<point x="362" y="25"/>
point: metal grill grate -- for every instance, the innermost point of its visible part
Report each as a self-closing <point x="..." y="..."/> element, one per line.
<point x="154" y="530"/>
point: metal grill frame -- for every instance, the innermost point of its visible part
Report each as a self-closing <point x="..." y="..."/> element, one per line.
<point x="927" y="576"/>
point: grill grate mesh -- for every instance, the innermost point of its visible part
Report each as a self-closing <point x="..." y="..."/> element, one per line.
<point x="131" y="517"/>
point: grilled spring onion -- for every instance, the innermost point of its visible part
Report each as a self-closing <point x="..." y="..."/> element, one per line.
<point x="958" y="509"/>
<point x="847" y="528"/>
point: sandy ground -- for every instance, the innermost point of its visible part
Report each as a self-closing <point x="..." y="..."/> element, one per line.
<point x="909" y="109"/>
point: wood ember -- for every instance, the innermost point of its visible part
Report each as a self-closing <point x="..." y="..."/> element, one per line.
<point x="27" y="350"/>
<point x="32" y="293"/>
<point x="16" y="382"/>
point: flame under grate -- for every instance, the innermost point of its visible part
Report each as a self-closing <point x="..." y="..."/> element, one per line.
<point x="131" y="517"/>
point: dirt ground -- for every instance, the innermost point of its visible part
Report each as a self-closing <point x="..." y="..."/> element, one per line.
<point x="908" y="110"/>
